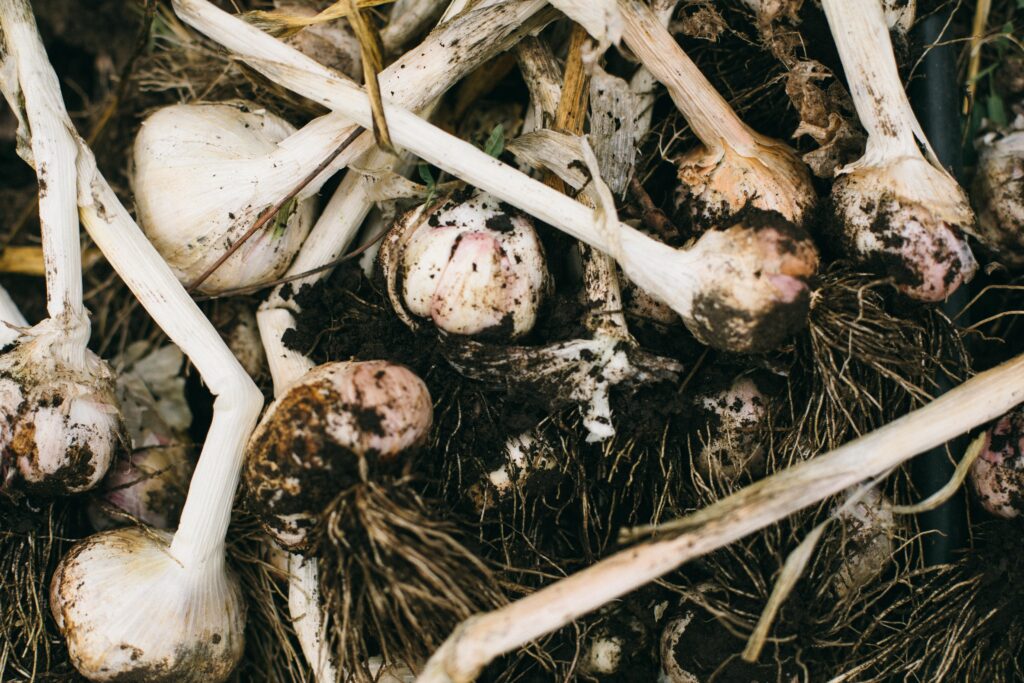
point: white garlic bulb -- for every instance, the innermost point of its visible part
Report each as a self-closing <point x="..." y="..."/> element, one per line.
<point x="868" y="541"/>
<point x="998" y="194"/>
<point x="475" y="267"/>
<point x="315" y="438"/>
<point x="525" y="456"/>
<point x="60" y="426"/>
<point x="183" y="625"/>
<point x="202" y="174"/>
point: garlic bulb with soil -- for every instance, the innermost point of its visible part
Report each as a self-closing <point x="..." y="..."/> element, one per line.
<point x="735" y="167"/>
<point x="525" y="459"/>
<point x="729" y="445"/>
<point x="474" y="266"/>
<point x="895" y="207"/>
<point x="60" y="425"/>
<point x="320" y="436"/>
<point x="998" y="195"/>
<point x="869" y="529"/>
<point x="201" y="174"/>
<point x="997" y="476"/>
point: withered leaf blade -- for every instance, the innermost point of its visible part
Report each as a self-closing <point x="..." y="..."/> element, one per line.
<point x="373" y="63"/>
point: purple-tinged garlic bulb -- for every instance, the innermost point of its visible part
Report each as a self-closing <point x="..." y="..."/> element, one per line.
<point x="149" y="485"/>
<point x="895" y="207"/>
<point x="998" y="194"/>
<point x="729" y="445"/>
<point x="868" y="541"/>
<point x="323" y="433"/>
<point x="997" y="475"/>
<point x="474" y="266"/>
<point x="60" y="426"/>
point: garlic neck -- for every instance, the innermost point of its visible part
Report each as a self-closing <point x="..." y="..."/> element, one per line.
<point x="862" y="38"/>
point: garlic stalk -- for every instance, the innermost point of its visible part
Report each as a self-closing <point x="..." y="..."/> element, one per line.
<point x="733" y="287"/>
<point x="895" y="206"/>
<point x="129" y="602"/>
<point x="998" y="196"/>
<point x="736" y="166"/>
<point x="483" y="637"/>
<point x="60" y="425"/>
<point x="201" y="175"/>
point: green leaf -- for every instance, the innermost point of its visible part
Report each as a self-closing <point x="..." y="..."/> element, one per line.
<point x="496" y="142"/>
<point x="281" y="219"/>
<point x="425" y="175"/>
<point x="996" y="110"/>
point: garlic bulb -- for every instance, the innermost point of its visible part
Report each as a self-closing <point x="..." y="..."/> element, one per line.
<point x="895" y="206"/>
<point x="998" y="194"/>
<point x="145" y="612"/>
<point x="201" y="174"/>
<point x="735" y="167"/>
<point x="730" y="447"/>
<point x="474" y="266"/>
<point x="318" y="437"/>
<point x="60" y="427"/>
<point x="525" y="457"/>
<point x="997" y="476"/>
<point x="868" y="541"/>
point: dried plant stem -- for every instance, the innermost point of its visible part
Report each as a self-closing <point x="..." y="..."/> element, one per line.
<point x="482" y="638"/>
<point x="655" y="267"/>
<point x="708" y="113"/>
<point x="541" y="73"/>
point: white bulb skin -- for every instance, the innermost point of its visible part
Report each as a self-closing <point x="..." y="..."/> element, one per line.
<point x="672" y="672"/>
<point x="998" y="196"/>
<point x="997" y="475"/>
<point x="717" y="184"/>
<point x="909" y="218"/>
<point x="475" y="268"/>
<point x="130" y="611"/>
<point x="731" y="448"/>
<point x="750" y="283"/>
<point x="201" y="176"/>
<point x="314" y="438"/>
<point x="603" y="655"/>
<point x="60" y="425"/>
<point x="149" y="485"/>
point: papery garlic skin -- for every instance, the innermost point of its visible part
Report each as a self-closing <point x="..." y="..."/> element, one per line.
<point x="200" y="176"/>
<point x="998" y="195"/>
<point x="321" y="433"/>
<point x="150" y="485"/>
<point x="474" y="267"/>
<point x="750" y="284"/>
<point x="715" y="184"/>
<point x="997" y="475"/>
<point x="145" y="617"/>
<point x="910" y="219"/>
<point x="60" y="426"/>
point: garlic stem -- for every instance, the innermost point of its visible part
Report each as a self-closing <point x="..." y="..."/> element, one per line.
<point x="207" y="511"/>
<point x="305" y="605"/>
<point x="53" y="157"/>
<point x="712" y="119"/>
<point x="481" y="638"/>
<point x="10" y="318"/>
<point x="862" y="37"/>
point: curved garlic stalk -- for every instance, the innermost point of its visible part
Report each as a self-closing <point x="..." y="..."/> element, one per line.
<point x="740" y="288"/>
<point x="735" y="167"/>
<point x="60" y="424"/>
<point x="895" y="206"/>
<point x="998" y="196"/>
<point x="201" y="175"/>
<point x="131" y="602"/>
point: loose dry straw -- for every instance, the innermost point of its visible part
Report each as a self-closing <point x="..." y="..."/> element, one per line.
<point x="482" y="638"/>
